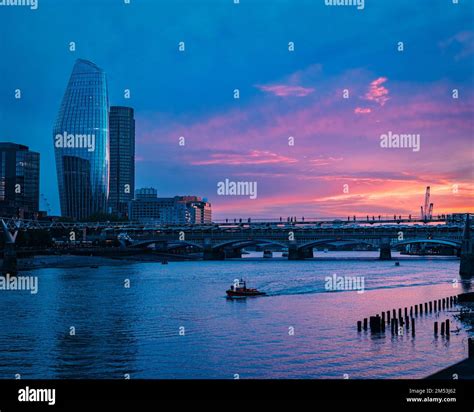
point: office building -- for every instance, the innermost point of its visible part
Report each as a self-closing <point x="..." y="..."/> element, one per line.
<point x="80" y="136"/>
<point x="122" y="159"/>
<point x="19" y="181"/>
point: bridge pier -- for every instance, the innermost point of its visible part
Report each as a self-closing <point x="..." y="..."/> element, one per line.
<point x="466" y="266"/>
<point x="299" y="254"/>
<point x="212" y="254"/>
<point x="232" y="253"/>
<point x="9" y="260"/>
<point x="9" y="252"/>
<point x="385" y="250"/>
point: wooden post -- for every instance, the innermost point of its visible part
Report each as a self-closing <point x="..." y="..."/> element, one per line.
<point x="421" y="308"/>
<point x="411" y="311"/>
<point x="426" y="307"/>
<point x="435" y="306"/>
<point x="406" y="312"/>
<point x="436" y="328"/>
<point x="399" y="313"/>
<point x="365" y="323"/>
<point x="431" y="306"/>
<point x="413" y="327"/>
<point x="388" y="317"/>
<point x="383" y="317"/>
<point x="359" y="325"/>
<point x="416" y="310"/>
<point x="407" y="321"/>
<point x="447" y="327"/>
<point x="374" y="324"/>
<point x="442" y="328"/>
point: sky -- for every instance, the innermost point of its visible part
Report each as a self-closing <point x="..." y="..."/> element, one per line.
<point x="344" y="85"/>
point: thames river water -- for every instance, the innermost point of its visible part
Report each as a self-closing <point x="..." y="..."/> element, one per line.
<point x="174" y="320"/>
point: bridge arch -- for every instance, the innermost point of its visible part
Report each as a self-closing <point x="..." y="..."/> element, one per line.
<point x="241" y="243"/>
<point x="314" y="243"/>
<point x="453" y="243"/>
<point x="175" y="244"/>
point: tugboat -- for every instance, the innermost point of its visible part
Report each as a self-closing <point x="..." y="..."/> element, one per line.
<point x="239" y="290"/>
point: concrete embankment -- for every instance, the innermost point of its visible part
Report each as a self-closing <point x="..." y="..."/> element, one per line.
<point x="461" y="370"/>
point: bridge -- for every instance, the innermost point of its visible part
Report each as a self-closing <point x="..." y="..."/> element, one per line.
<point x="227" y="239"/>
<point x="220" y="242"/>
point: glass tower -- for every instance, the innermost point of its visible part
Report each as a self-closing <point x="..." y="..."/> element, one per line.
<point x="122" y="159"/>
<point x="19" y="181"/>
<point x="81" y="147"/>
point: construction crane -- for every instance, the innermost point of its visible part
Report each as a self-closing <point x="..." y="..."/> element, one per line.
<point x="427" y="209"/>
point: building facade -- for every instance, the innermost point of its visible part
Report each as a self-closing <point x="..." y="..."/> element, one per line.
<point x="122" y="159"/>
<point x="19" y="181"/>
<point x="81" y="143"/>
<point x="147" y="207"/>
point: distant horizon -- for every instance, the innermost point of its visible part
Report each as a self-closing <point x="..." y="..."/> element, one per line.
<point x="312" y="106"/>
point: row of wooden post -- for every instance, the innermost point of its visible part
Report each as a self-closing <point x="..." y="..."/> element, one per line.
<point x="377" y="322"/>
<point x="444" y="328"/>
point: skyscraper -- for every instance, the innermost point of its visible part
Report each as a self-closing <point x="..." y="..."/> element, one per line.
<point x="19" y="181"/>
<point x="122" y="159"/>
<point x="81" y="142"/>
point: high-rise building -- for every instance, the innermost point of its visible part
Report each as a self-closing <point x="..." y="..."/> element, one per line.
<point x="19" y="181"/>
<point x="122" y="159"/>
<point x="81" y="134"/>
<point x="147" y="207"/>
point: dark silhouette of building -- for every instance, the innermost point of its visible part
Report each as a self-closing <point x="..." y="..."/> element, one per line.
<point x="19" y="181"/>
<point x="122" y="159"/>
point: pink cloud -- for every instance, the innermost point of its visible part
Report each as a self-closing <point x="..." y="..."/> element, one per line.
<point x="254" y="157"/>
<point x="324" y="161"/>
<point x="377" y="92"/>
<point x="283" y="90"/>
<point x="326" y="132"/>
<point x="362" y="110"/>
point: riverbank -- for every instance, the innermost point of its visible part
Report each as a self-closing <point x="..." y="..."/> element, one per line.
<point x="78" y="261"/>
<point x="461" y="370"/>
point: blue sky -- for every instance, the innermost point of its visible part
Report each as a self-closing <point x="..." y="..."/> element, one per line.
<point x="228" y="46"/>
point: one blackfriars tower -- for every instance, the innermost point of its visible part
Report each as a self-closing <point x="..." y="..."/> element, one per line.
<point x="81" y="143"/>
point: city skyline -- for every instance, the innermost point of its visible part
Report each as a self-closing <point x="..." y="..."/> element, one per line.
<point x="283" y="94"/>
